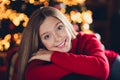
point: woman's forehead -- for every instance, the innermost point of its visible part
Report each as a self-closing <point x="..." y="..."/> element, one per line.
<point x="49" y="24"/>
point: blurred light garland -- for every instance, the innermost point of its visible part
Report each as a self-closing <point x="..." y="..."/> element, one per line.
<point x="12" y="15"/>
<point x="38" y="2"/>
<point x="72" y="2"/>
<point x="5" y="43"/>
<point x="84" y="17"/>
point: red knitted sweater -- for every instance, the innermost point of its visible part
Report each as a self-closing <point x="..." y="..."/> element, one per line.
<point x="86" y="58"/>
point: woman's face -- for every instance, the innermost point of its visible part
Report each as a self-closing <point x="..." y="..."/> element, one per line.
<point x="54" y="35"/>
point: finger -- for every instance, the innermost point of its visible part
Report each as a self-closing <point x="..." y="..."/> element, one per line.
<point x="32" y="58"/>
<point x="33" y="54"/>
<point x="41" y="49"/>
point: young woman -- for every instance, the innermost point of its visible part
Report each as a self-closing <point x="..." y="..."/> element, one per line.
<point x="51" y="50"/>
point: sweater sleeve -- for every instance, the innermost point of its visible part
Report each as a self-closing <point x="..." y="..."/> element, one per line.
<point x="38" y="71"/>
<point x="92" y="62"/>
<point x="111" y="56"/>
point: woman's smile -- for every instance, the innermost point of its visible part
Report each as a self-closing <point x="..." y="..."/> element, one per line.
<point x="62" y="44"/>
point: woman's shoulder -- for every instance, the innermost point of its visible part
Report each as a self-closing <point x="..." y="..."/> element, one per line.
<point x="85" y="35"/>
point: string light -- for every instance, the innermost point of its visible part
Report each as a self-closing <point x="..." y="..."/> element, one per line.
<point x="5" y="43"/>
<point x="76" y="16"/>
<point x="37" y="2"/>
<point x="17" y="38"/>
<point x="72" y="2"/>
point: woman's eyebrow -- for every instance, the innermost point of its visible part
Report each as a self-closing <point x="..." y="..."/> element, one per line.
<point x="54" y="26"/>
<point x="43" y="34"/>
<point x="58" y="23"/>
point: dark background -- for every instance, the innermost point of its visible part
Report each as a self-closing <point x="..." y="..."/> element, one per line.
<point x="106" y="21"/>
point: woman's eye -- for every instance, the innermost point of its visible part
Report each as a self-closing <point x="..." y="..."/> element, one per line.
<point x="60" y="27"/>
<point x="46" y="37"/>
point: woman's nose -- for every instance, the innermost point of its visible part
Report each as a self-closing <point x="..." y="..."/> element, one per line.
<point x="57" y="37"/>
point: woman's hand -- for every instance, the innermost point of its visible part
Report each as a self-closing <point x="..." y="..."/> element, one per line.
<point x="42" y="54"/>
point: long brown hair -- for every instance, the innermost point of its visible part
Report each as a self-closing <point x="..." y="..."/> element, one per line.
<point x="31" y="42"/>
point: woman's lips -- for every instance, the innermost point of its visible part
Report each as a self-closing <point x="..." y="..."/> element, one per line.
<point x="61" y="45"/>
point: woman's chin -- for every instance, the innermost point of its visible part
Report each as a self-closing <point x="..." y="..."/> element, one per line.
<point x="64" y="50"/>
